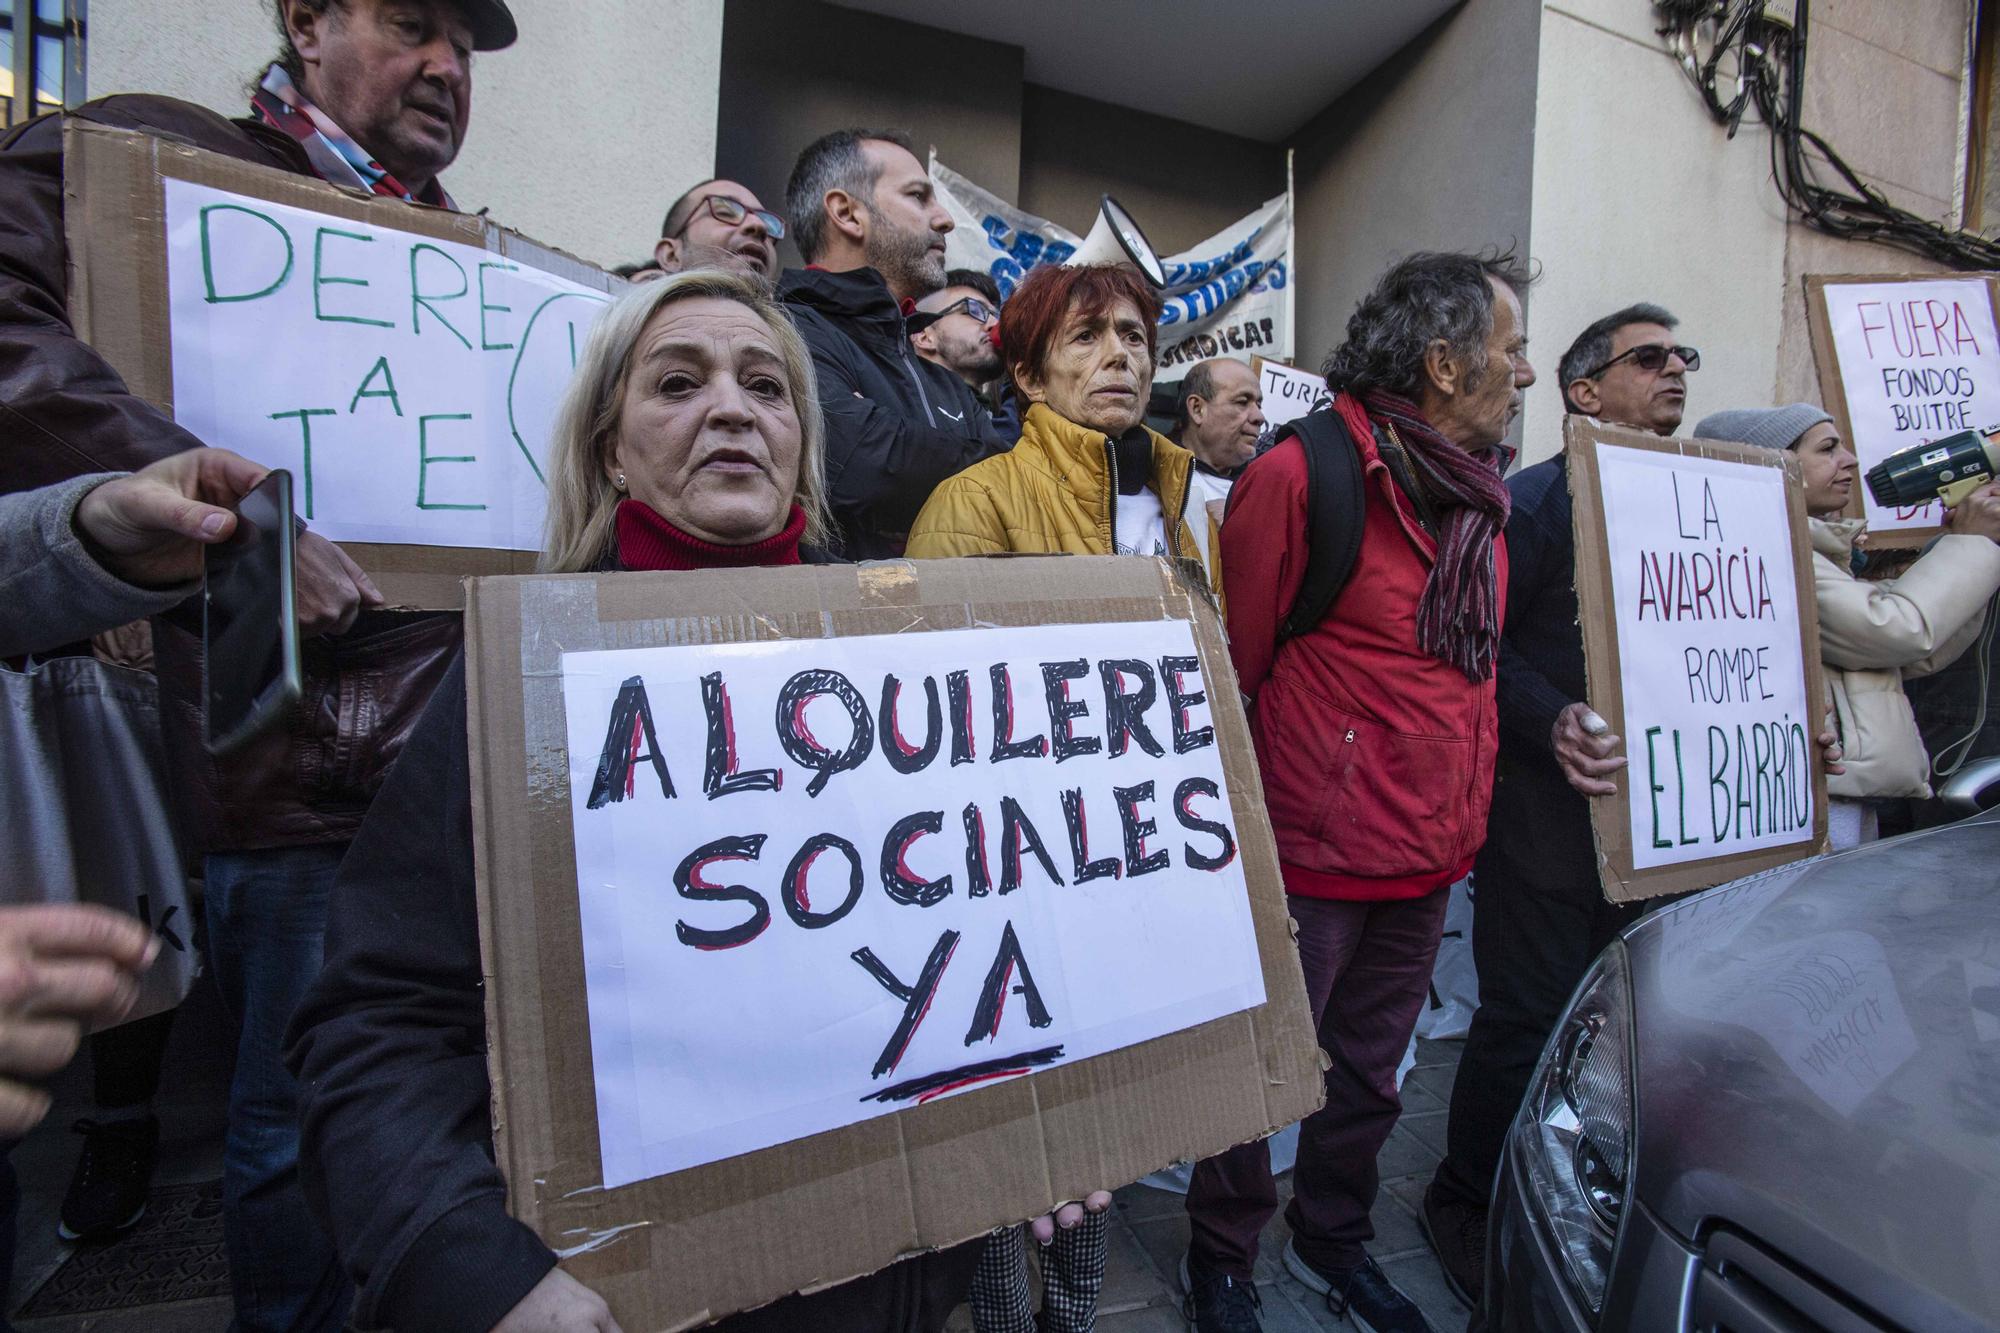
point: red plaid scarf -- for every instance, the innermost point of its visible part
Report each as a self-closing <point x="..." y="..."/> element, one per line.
<point x="1458" y="619"/>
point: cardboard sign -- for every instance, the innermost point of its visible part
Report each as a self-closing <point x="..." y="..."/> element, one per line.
<point x="403" y="362"/>
<point x="1701" y="647"/>
<point x="1904" y="359"/>
<point x="835" y="914"/>
<point x="1289" y="393"/>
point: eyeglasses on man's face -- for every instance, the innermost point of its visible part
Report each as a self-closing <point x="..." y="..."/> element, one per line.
<point x="980" y="312"/>
<point x="730" y="212"/>
<point x="1649" y="357"/>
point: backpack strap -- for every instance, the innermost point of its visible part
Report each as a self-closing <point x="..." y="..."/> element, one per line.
<point x="1335" y="507"/>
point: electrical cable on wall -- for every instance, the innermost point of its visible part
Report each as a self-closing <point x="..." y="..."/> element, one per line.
<point x="1765" y="40"/>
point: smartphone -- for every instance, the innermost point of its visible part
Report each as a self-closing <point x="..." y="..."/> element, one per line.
<point x="250" y="625"/>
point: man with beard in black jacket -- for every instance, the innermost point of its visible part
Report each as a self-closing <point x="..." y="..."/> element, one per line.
<point x="872" y="233"/>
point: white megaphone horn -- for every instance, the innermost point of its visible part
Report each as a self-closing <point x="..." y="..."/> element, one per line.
<point x="1116" y="239"/>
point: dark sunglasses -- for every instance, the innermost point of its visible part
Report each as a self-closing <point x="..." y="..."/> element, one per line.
<point x="728" y="212"/>
<point x="973" y="306"/>
<point x="1649" y="357"/>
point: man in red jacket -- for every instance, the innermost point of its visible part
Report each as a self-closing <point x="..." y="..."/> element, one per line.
<point x="1375" y="734"/>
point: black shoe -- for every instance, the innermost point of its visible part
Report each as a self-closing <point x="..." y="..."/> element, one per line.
<point x="1218" y="1303"/>
<point x="1457" y="1231"/>
<point x="1364" y="1295"/>
<point x="115" y="1170"/>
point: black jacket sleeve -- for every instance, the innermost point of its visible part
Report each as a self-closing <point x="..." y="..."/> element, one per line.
<point x="389" y="1047"/>
<point x="1539" y="549"/>
<point x="882" y="461"/>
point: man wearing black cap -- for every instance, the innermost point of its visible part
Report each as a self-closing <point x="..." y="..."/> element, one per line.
<point x="369" y="94"/>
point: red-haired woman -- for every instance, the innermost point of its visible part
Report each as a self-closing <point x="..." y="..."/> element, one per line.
<point x="1087" y="477"/>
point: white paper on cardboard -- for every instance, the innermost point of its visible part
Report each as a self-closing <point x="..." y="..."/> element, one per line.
<point x="1918" y="360"/>
<point x="408" y="383"/>
<point x="1716" y="724"/>
<point x="824" y="880"/>
<point x="1290" y="393"/>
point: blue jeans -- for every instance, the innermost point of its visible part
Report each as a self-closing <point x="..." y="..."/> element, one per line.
<point x="266" y="915"/>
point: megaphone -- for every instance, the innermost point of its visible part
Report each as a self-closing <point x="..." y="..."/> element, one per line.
<point x="1116" y="239"/>
<point x="1948" y="469"/>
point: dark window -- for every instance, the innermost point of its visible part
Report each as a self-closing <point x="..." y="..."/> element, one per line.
<point x="41" y="56"/>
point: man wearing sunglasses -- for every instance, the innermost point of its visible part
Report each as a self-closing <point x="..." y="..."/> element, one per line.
<point x="720" y="224"/>
<point x="953" y="327"/>
<point x="1539" y="917"/>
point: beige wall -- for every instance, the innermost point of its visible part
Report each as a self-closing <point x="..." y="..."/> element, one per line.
<point x="1431" y="152"/>
<point x="1638" y="195"/>
<point x="580" y="132"/>
<point x="1886" y="87"/>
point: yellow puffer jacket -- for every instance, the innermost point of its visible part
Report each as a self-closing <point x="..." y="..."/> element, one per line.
<point x="1052" y="493"/>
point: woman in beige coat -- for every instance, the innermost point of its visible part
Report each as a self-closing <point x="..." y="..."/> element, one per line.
<point x="1874" y="634"/>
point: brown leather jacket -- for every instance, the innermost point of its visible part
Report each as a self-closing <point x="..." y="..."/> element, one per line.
<point x="64" y="412"/>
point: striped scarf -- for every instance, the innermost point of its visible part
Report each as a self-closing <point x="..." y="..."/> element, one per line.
<point x="1458" y="619"/>
<point x="332" y="151"/>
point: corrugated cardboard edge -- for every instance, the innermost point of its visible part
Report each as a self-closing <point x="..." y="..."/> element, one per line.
<point x="1833" y="388"/>
<point x="674" y="1252"/>
<point x="1609" y="823"/>
<point x="115" y="216"/>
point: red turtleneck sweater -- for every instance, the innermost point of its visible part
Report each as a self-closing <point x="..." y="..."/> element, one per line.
<point x="647" y="541"/>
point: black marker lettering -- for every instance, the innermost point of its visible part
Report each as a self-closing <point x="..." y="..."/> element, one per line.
<point x="916" y="999"/>
<point x="1079" y="842"/>
<point x="1063" y="710"/>
<point x="690" y="885"/>
<point x="1125" y="714"/>
<point x="1188" y="790"/>
<point x="631" y="723"/>
<point x="1179" y="701"/>
<point x="902" y="756"/>
<point x="719" y="776"/>
<point x="898" y="880"/>
<point x="993" y="995"/>
<point x="805" y="748"/>
<point x="796" y="898"/>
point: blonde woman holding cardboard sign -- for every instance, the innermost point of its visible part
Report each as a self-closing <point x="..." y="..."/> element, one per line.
<point x="1874" y="634"/>
<point x="689" y="439"/>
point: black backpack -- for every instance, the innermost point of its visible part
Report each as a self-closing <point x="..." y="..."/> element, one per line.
<point x="1335" y="506"/>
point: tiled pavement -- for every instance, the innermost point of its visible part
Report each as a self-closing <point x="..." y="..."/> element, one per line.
<point x="1149" y="1229"/>
<point x="1149" y="1233"/>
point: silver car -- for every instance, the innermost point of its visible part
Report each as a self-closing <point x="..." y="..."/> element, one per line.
<point x="1773" y="1106"/>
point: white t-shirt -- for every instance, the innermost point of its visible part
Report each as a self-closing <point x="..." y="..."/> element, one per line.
<point x="1139" y="529"/>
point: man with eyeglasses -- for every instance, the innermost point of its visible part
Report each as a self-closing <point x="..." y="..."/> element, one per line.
<point x="1539" y="917"/>
<point x="720" y="224"/>
<point x="953" y="327"/>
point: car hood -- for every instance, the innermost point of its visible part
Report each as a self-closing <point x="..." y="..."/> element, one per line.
<point x="1817" y="1063"/>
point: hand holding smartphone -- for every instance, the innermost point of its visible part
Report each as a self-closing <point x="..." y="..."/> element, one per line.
<point x="250" y="630"/>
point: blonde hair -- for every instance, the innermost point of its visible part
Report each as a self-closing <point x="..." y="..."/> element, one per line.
<point x="583" y="503"/>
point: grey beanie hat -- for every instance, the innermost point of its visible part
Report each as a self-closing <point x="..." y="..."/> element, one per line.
<point x="1766" y="427"/>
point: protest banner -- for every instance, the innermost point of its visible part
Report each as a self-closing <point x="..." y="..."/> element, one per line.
<point x="1227" y="296"/>
<point x="1903" y="359"/>
<point x="1701" y="647"/>
<point x="403" y="362"/>
<point x="1289" y="393"/>
<point x="832" y="914"/>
